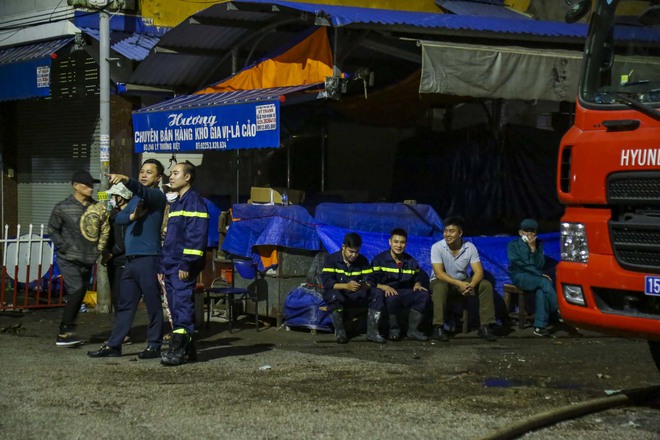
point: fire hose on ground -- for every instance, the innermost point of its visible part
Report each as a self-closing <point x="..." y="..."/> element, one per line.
<point x="636" y="397"/>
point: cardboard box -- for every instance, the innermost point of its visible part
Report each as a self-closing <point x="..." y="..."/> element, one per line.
<point x="273" y="196"/>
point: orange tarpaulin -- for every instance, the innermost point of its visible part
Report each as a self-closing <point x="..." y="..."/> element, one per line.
<point x="307" y="62"/>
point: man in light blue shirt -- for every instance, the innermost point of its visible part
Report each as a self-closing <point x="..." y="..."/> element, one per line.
<point x="450" y="259"/>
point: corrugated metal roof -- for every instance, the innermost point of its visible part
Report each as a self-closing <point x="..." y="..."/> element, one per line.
<point x="217" y="99"/>
<point x="347" y="15"/>
<point x="484" y="8"/>
<point x="178" y="70"/>
<point x="134" y="46"/>
<point x="35" y="51"/>
<point x="257" y="27"/>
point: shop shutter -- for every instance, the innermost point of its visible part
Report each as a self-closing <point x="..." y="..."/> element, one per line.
<point x="57" y="136"/>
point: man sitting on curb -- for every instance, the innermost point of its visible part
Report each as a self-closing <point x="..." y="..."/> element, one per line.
<point x="397" y="276"/>
<point x="347" y="281"/>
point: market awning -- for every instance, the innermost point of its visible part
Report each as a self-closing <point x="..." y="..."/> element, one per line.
<point x="217" y="121"/>
<point x="27" y="69"/>
<point x="499" y="72"/>
<point x="129" y="36"/>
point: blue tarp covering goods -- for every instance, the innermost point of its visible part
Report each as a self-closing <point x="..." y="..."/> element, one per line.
<point x="256" y="226"/>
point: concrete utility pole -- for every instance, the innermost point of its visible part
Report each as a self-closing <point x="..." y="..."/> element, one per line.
<point x="102" y="284"/>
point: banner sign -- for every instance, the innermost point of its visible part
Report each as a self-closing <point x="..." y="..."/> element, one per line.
<point x="225" y="127"/>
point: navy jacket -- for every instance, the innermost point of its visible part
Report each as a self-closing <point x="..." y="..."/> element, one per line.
<point x="386" y="270"/>
<point x="143" y="234"/>
<point x="335" y="270"/>
<point x="186" y="237"/>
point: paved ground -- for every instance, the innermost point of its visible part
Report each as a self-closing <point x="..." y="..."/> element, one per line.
<point x="279" y="384"/>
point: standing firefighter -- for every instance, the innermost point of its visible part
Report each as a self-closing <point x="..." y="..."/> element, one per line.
<point x="183" y="260"/>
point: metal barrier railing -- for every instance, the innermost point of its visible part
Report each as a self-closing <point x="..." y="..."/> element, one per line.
<point x="28" y="277"/>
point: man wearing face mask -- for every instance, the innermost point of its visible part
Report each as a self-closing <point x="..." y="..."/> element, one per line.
<point x="171" y="197"/>
<point x="113" y="256"/>
<point x="183" y="260"/>
<point x="526" y="261"/>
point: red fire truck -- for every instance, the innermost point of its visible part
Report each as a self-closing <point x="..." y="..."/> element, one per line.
<point x="609" y="176"/>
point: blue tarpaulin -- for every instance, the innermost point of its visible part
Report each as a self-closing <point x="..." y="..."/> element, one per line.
<point x="270" y="225"/>
<point x="293" y="227"/>
<point x="381" y="217"/>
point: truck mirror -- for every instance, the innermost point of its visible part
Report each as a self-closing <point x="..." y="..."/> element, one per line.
<point x="577" y="11"/>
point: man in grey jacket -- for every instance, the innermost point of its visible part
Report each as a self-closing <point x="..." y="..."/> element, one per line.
<point x="78" y="228"/>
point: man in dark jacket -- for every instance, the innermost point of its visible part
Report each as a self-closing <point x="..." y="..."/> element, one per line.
<point x="347" y="280"/>
<point x="144" y="217"/>
<point x="526" y="261"/>
<point x="397" y="275"/>
<point x="183" y="260"/>
<point x="78" y="240"/>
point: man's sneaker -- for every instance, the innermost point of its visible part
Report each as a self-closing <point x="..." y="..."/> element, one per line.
<point x="487" y="334"/>
<point x="68" y="340"/>
<point x="540" y="331"/>
<point x="105" y="351"/>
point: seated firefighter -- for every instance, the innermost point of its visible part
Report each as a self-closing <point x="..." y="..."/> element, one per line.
<point x="526" y="261"/>
<point x="451" y="258"/>
<point x="397" y="275"/>
<point x="347" y="281"/>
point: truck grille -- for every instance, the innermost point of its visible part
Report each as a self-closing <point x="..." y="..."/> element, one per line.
<point x="633" y="187"/>
<point x="626" y="303"/>
<point x="636" y="244"/>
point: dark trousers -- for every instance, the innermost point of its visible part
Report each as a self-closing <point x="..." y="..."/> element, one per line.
<point x="76" y="279"/>
<point x="181" y="301"/>
<point x="339" y="299"/>
<point x="114" y="278"/>
<point x="407" y="298"/>
<point x="139" y="280"/>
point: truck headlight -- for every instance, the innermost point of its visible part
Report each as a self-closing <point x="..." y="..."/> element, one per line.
<point x="573" y="294"/>
<point x="574" y="243"/>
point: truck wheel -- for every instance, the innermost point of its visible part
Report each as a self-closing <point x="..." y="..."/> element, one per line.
<point x="655" y="352"/>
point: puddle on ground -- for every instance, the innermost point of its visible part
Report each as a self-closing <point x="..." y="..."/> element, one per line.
<point x="501" y="382"/>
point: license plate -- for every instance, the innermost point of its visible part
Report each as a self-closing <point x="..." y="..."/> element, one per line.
<point x="652" y="286"/>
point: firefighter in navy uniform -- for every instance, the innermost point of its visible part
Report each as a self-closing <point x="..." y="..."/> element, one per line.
<point x="183" y="260"/>
<point x="347" y="281"/>
<point x="397" y="275"/>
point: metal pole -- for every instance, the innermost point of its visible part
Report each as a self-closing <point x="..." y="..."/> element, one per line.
<point x="102" y="284"/>
<point x="238" y="174"/>
<point x="324" y="138"/>
<point x="288" y="163"/>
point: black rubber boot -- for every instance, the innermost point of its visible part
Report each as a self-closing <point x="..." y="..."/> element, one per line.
<point x="395" y="331"/>
<point x="176" y="354"/>
<point x="190" y="354"/>
<point x="338" y="324"/>
<point x="413" y="322"/>
<point x="372" y="327"/>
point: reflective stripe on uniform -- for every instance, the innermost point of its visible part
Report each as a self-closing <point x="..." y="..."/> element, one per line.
<point x="348" y="274"/>
<point x="395" y="270"/>
<point x="189" y="214"/>
<point x="193" y="252"/>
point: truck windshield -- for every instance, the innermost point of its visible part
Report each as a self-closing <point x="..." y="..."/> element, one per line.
<point x="622" y="56"/>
